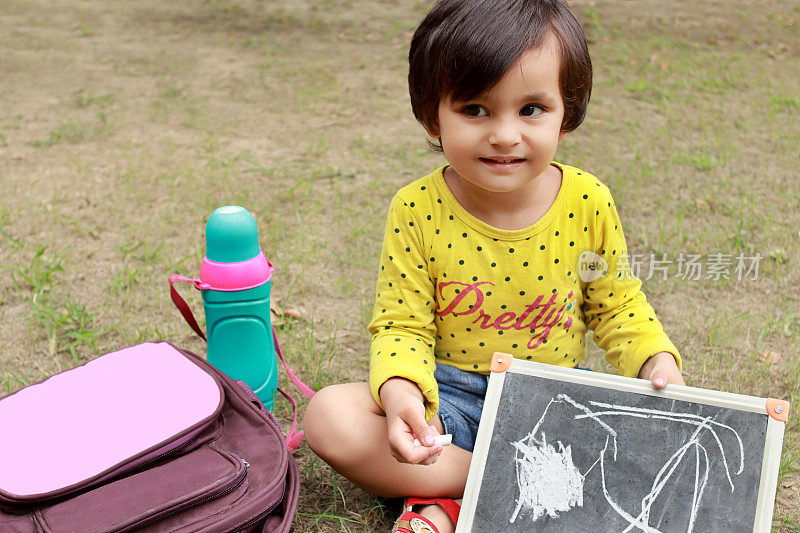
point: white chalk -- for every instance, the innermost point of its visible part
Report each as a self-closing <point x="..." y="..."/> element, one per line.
<point x="442" y="440"/>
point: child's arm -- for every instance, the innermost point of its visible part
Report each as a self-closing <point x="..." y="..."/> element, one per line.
<point x="617" y="311"/>
<point x="405" y="418"/>
<point x="402" y="324"/>
<point x="402" y="361"/>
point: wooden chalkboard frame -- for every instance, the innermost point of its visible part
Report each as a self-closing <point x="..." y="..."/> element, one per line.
<point x="776" y="410"/>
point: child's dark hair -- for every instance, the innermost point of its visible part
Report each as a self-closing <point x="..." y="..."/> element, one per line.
<point x="462" y="48"/>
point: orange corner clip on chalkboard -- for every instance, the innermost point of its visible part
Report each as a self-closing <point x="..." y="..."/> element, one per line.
<point x="778" y="409"/>
<point x="500" y="361"/>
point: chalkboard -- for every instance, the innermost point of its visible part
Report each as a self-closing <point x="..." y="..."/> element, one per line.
<point x="571" y="450"/>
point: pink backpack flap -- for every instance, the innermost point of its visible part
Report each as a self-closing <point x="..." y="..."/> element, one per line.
<point x="151" y="438"/>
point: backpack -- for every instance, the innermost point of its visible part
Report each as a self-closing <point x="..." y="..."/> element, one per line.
<point x="148" y="438"/>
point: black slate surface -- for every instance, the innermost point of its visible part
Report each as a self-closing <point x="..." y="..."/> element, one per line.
<point x="683" y="448"/>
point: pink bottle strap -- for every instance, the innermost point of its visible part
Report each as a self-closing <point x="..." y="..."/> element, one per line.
<point x="182" y="306"/>
<point x="305" y="389"/>
<point x="295" y="437"/>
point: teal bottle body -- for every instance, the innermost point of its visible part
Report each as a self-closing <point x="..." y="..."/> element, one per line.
<point x="235" y="282"/>
<point x="240" y="341"/>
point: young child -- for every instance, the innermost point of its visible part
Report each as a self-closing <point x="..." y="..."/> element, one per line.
<point x="484" y="255"/>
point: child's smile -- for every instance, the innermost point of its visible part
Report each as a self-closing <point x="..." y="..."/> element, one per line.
<point x="501" y="141"/>
<point x="503" y="163"/>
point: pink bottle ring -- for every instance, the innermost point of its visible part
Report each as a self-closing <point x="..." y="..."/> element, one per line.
<point x="238" y="276"/>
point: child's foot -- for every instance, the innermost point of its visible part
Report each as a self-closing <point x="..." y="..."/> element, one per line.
<point x="438" y="516"/>
<point x="435" y="515"/>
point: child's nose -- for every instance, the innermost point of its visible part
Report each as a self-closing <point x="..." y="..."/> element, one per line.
<point x="505" y="133"/>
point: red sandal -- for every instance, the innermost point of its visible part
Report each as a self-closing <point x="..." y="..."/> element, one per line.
<point x="412" y="522"/>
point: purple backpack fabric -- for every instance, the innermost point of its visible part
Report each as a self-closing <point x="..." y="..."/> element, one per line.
<point x="148" y="438"/>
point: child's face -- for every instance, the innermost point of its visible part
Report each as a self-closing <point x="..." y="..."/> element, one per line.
<point x="504" y="139"/>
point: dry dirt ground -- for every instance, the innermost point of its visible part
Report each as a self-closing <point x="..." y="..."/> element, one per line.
<point x="124" y="124"/>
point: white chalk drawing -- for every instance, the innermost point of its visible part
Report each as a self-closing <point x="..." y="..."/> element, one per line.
<point x="549" y="483"/>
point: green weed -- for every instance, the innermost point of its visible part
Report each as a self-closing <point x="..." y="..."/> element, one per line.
<point x="739" y="241"/>
<point x="318" y="348"/>
<point x="700" y="162"/>
<point x="125" y="279"/>
<point x="703" y="163"/>
<point x="68" y="326"/>
<point x="178" y="264"/>
<point x="81" y="99"/>
<point x="781" y="102"/>
<point x="83" y="30"/>
<point x="594" y="24"/>
<point x="640" y="86"/>
<point x="38" y="275"/>
<point x="12" y="381"/>
<point x="140" y="251"/>
<point x="790" y="464"/>
<point x="75" y="131"/>
<point x="786" y="525"/>
<point x="338" y="512"/>
<point x="151" y="333"/>
<point x="173" y="93"/>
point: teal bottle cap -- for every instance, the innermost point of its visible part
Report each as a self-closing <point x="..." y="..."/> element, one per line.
<point x="231" y="235"/>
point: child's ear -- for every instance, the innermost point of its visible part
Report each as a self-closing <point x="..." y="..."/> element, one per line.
<point x="562" y="135"/>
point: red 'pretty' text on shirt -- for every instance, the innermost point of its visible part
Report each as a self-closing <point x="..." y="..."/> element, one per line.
<point x="507" y="320"/>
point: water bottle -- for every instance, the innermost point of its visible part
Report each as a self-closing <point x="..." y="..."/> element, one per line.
<point x="235" y="284"/>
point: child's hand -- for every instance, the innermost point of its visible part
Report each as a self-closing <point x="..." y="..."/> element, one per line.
<point x="662" y="369"/>
<point x="405" y="419"/>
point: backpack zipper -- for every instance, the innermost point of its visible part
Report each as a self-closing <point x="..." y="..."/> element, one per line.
<point x="217" y="493"/>
<point x="261" y="516"/>
<point x="176" y="450"/>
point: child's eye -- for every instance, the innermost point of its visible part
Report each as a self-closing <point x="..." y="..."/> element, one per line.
<point x="531" y="110"/>
<point x="474" y="110"/>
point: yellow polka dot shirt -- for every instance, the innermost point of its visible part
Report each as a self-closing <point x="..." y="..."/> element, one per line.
<point x="453" y="290"/>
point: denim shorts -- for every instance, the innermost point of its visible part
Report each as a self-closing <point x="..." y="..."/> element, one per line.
<point x="461" y="395"/>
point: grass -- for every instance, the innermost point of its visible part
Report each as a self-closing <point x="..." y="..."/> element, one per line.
<point x="66" y="325"/>
<point x="122" y="127"/>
